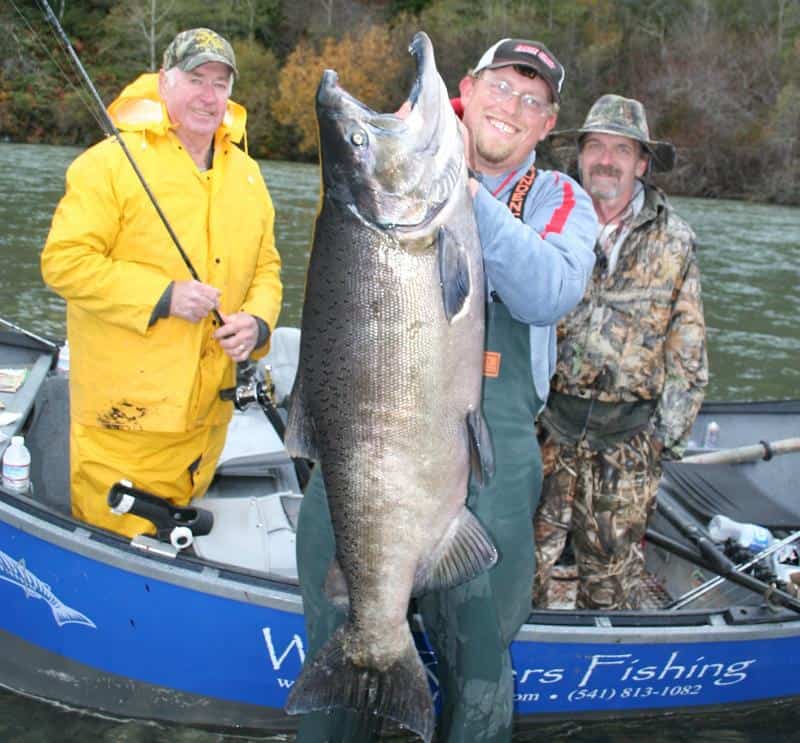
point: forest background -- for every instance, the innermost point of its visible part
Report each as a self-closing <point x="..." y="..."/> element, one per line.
<point x="719" y="78"/>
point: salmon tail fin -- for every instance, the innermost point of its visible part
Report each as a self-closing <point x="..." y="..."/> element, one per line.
<point x="465" y="551"/>
<point x="299" y="438"/>
<point x="481" y="450"/>
<point x="399" y="693"/>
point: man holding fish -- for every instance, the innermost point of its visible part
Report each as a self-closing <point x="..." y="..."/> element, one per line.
<point x="536" y="232"/>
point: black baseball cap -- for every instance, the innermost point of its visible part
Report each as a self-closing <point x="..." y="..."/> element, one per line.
<point x="531" y="54"/>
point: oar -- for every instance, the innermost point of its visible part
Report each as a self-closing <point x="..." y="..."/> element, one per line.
<point x="767" y="592"/>
<point x="762" y="450"/>
<point x="712" y="583"/>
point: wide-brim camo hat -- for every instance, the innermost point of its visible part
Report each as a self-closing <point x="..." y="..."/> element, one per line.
<point x="190" y="49"/>
<point x="531" y="54"/>
<point x="625" y="117"/>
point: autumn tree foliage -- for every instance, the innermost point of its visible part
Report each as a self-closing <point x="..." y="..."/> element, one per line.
<point x="370" y="67"/>
<point x="719" y="78"/>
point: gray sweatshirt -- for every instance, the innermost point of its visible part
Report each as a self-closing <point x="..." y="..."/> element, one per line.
<point x="538" y="265"/>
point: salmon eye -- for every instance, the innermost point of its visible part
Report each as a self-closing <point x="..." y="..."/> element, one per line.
<point x="358" y="138"/>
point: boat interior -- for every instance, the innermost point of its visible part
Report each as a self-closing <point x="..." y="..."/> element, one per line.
<point x="255" y="496"/>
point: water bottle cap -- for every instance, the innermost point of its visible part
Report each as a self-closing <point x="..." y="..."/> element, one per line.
<point x="17" y="440"/>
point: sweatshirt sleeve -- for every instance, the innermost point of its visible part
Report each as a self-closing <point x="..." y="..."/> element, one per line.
<point x="539" y="266"/>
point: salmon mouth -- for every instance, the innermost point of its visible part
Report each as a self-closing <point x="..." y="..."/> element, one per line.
<point x="331" y="97"/>
<point x="393" y="171"/>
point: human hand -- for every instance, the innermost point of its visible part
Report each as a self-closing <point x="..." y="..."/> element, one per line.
<point x="238" y="335"/>
<point x="469" y="155"/>
<point x="658" y="448"/>
<point x="192" y="300"/>
<point x="469" y="152"/>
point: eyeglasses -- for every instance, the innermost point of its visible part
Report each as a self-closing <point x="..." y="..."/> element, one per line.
<point x="501" y="91"/>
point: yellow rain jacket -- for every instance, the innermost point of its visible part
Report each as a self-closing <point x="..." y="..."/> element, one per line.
<point x="109" y="255"/>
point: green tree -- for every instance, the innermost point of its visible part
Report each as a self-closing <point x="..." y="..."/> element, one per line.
<point x="256" y="87"/>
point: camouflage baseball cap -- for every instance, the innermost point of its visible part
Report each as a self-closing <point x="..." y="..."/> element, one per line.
<point x="190" y="49"/>
<point x="625" y="117"/>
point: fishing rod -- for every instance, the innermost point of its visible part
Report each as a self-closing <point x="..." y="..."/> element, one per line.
<point x="110" y="128"/>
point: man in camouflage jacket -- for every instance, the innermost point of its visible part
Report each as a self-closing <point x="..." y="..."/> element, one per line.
<point x="631" y="367"/>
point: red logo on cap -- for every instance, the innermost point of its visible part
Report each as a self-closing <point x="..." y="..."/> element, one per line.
<point x="536" y="52"/>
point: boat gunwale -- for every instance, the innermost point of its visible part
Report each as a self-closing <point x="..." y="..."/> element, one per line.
<point x="580" y="626"/>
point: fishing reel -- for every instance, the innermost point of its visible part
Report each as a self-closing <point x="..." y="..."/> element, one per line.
<point x="252" y="386"/>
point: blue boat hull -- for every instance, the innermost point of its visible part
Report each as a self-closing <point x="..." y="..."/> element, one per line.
<point x="91" y="625"/>
<point x="91" y="620"/>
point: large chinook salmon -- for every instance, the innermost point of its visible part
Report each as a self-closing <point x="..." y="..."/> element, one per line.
<point x="387" y="395"/>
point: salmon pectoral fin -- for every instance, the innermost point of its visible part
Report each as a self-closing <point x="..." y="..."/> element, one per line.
<point x="300" y="438"/>
<point x="399" y="692"/>
<point x="336" y="587"/>
<point x="481" y="451"/>
<point x="453" y="272"/>
<point x="465" y="551"/>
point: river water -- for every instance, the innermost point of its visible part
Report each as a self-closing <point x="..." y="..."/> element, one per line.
<point x="750" y="262"/>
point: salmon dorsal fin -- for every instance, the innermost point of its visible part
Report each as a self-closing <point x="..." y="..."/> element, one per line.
<point x="465" y="551"/>
<point x="453" y="272"/>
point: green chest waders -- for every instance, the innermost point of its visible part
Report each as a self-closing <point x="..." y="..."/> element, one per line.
<point x="471" y="626"/>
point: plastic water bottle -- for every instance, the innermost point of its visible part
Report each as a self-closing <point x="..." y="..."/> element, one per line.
<point x="62" y="367"/>
<point x="711" y="441"/>
<point x="17" y="466"/>
<point x="750" y="536"/>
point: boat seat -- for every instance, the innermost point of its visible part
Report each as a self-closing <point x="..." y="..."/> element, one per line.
<point x="706" y="490"/>
<point x="255" y="532"/>
<point x="21" y="401"/>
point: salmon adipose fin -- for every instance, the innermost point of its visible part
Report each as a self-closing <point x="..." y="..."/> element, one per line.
<point x="399" y="693"/>
<point x="300" y="438"/>
<point x="453" y="272"/>
<point x="481" y="450"/>
<point x="466" y="551"/>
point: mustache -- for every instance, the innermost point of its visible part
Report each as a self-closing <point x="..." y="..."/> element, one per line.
<point x="607" y="170"/>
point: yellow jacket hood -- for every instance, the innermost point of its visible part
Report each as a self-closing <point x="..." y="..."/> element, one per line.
<point x="139" y="108"/>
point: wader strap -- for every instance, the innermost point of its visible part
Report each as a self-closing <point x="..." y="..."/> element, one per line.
<point x="519" y="194"/>
<point x="516" y="205"/>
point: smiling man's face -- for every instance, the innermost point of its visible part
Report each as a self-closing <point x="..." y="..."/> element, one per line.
<point x="609" y="166"/>
<point x="503" y="132"/>
<point x="196" y="100"/>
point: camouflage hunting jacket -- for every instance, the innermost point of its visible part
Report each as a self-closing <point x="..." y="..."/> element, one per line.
<point x="639" y="333"/>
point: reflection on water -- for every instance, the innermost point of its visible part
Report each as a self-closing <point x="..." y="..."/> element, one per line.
<point x="750" y="262"/>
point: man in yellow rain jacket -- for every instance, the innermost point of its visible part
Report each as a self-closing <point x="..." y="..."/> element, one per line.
<point x="147" y="356"/>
